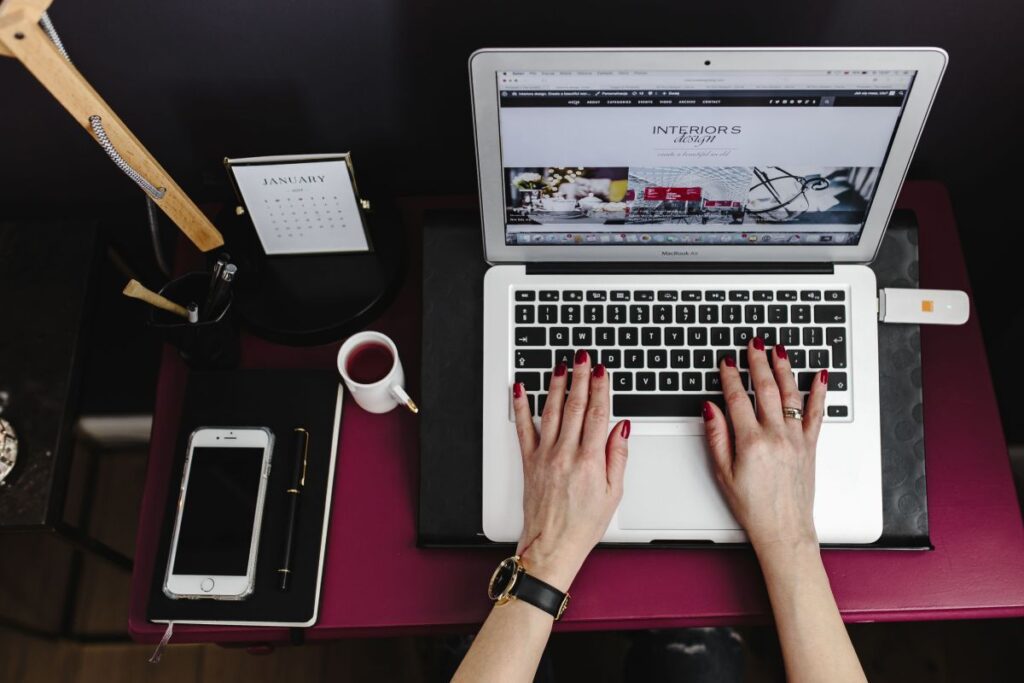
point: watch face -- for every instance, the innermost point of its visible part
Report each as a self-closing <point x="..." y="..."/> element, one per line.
<point x="503" y="578"/>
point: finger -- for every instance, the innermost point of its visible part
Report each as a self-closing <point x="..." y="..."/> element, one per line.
<point x="716" y="429"/>
<point x="595" y="423"/>
<point x="815" y="410"/>
<point x="576" y="403"/>
<point x="769" y="405"/>
<point x="524" y="420"/>
<point x="616" y="454"/>
<point x="789" y="395"/>
<point x="741" y="412"/>
<point x="551" y="418"/>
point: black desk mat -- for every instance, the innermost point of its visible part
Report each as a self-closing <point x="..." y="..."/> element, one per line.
<point x="450" y="428"/>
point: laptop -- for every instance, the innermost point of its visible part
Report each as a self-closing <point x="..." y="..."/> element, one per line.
<point x="660" y="207"/>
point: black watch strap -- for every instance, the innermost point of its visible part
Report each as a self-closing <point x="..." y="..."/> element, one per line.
<point x="544" y="596"/>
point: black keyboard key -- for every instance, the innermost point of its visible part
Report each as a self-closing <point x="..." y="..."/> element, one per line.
<point x="549" y="295"/>
<point x="639" y="314"/>
<point x="668" y="295"/>
<point x="650" y="336"/>
<point x="753" y="314"/>
<point x="703" y="358"/>
<point x="620" y="295"/>
<point x="657" y="358"/>
<point x="790" y="336"/>
<point x="646" y="381"/>
<point x="675" y="336"/>
<point x="547" y="380"/>
<point x="684" y="314"/>
<point x="572" y="295"/>
<point x="720" y="336"/>
<point x="604" y="336"/>
<point x="837" y="411"/>
<point x="835" y="337"/>
<point x="742" y="335"/>
<point x="797" y="358"/>
<point x="570" y="315"/>
<point x="622" y="381"/>
<point x="810" y="295"/>
<point x="830" y="314"/>
<point x="739" y="296"/>
<point x="547" y="314"/>
<point x="668" y="381"/>
<point x="764" y="295"/>
<point x="804" y="380"/>
<point x="731" y="315"/>
<point x="812" y="336"/>
<point x="530" y="380"/>
<point x="731" y="353"/>
<point x="697" y="336"/>
<point x="530" y="336"/>
<point x="800" y="314"/>
<point x="745" y="379"/>
<point x="597" y="296"/>
<point x="634" y="358"/>
<point x="689" y="295"/>
<point x="835" y="295"/>
<point x="565" y="355"/>
<point x="558" y="336"/>
<point x="818" y="358"/>
<point x="524" y="315"/>
<point x="663" y="405"/>
<point x="787" y="295"/>
<point x="778" y="314"/>
<point x="643" y="295"/>
<point x="769" y="334"/>
<point x="837" y="381"/>
<point x="611" y="358"/>
<point x="531" y="400"/>
<point x="628" y="336"/>
<point x="542" y="400"/>
<point x="582" y="336"/>
<point x="617" y="314"/>
<point x="712" y="381"/>
<point x="533" y="358"/>
<point x="692" y="381"/>
<point x="714" y="295"/>
<point x="663" y="314"/>
<point x="525" y="295"/>
<point x="593" y="314"/>
<point x="708" y="315"/>
<point x="679" y="358"/>
<point x="743" y="362"/>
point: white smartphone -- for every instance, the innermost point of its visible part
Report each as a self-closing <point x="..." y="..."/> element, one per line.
<point x="220" y="508"/>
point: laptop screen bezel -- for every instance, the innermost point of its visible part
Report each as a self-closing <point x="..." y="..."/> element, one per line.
<point x="928" y="63"/>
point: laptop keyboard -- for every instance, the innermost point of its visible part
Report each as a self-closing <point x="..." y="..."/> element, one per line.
<point x="662" y="347"/>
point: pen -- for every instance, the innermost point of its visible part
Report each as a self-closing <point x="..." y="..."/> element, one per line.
<point x="222" y="260"/>
<point x="296" y="483"/>
<point x="218" y="299"/>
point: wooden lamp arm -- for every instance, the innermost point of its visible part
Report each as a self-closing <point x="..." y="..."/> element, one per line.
<point x="22" y="37"/>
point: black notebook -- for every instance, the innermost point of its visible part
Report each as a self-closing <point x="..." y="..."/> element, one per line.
<point x="280" y="400"/>
<point x="450" y="430"/>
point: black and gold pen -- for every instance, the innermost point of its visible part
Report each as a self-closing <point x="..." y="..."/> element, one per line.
<point x="296" y="483"/>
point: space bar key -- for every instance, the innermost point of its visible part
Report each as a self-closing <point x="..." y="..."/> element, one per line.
<point x="663" y="405"/>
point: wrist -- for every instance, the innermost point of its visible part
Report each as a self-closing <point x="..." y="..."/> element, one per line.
<point x="786" y="550"/>
<point x="557" y="569"/>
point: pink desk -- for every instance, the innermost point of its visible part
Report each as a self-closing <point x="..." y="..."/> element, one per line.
<point x="377" y="582"/>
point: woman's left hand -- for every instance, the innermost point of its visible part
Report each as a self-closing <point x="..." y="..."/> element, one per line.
<point x="572" y="471"/>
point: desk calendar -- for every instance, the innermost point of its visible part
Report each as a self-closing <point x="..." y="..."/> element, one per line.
<point x="301" y="204"/>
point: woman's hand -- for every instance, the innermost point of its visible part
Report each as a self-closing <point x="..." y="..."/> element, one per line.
<point x="572" y="472"/>
<point x="765" y="466"/>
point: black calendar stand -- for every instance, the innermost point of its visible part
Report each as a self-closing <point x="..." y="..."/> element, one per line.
<point x="309" y="299"/>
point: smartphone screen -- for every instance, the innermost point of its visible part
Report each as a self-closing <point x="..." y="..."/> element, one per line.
<point x="219" y="511"/>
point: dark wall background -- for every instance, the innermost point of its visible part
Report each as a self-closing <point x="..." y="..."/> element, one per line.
<point x="201" y="80"/>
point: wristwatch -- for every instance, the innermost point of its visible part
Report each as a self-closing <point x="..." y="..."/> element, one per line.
<point x="511" y="582"/>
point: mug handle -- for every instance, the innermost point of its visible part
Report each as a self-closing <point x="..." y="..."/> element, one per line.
<point x="399" y="393"/>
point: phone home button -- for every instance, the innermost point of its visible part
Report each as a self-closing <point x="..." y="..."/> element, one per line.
<point x="206" y="585"/>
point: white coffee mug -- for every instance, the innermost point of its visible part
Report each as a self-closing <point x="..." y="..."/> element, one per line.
<point x="383" y="394"/>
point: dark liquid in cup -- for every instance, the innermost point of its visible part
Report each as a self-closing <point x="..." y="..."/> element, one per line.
<point x="369" y="363"/>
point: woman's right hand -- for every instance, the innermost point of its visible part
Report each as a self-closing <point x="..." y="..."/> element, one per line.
<point x="764" y="461"/>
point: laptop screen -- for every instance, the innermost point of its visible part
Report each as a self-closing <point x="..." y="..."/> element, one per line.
<point x="743" y="157"/>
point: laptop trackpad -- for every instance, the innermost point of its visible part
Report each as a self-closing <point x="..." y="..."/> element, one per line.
<point x="670" y="485"/>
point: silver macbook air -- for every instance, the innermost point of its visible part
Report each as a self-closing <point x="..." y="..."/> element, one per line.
<point x="658" y="208"/>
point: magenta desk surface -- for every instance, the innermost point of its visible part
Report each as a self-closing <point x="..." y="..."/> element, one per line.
<point x="377" y="582"/>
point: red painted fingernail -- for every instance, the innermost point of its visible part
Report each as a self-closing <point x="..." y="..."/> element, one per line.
<point x="730" y="361"/>
<point x="824" y="377"/>
<point x="517" y="390"/>
<point x="560" y="369"/>
<point x="759" y="343"/>
<point x="780" y="351"/>
<point x="708" y="414"/>
<point x="626" y="426"/>
<point x="582" y="357"/>
<point x="599" y="371"/>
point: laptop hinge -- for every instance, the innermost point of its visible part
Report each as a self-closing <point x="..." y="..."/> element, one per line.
<point x="623" y="268"/>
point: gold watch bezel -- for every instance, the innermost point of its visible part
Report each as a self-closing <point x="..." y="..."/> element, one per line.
<point x="504" y="596"/>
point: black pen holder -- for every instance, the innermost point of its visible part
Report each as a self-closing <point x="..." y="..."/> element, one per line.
<point x="204" y="345"/>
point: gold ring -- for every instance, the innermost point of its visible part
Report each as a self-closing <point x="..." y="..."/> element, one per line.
<point x="795" y="413"/>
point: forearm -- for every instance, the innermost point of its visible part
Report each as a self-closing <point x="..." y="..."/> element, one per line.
<point x="509" y="645"/>
<point x="815" y="643"/>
